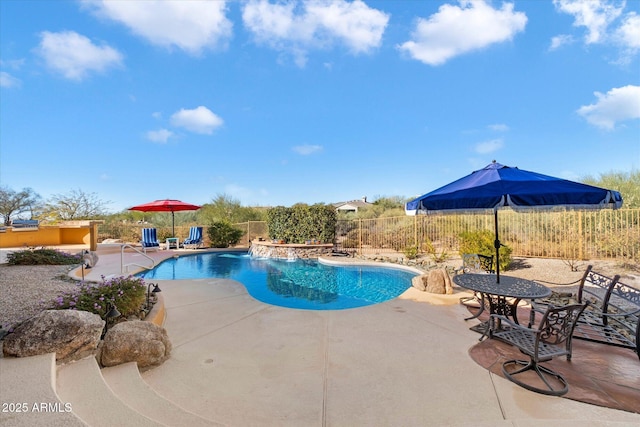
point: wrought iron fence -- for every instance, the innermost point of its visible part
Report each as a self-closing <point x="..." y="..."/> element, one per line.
<point x="601" y="234"/>
<point x="557" y="234"/>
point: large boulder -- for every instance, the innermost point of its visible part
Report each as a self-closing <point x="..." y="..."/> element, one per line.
<point x="435" y="282"/>
<point x="135" y="341"/>
<point x="71" y="334"/>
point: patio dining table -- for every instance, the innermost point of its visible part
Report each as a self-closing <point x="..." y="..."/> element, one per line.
<point x="503" y="298"/>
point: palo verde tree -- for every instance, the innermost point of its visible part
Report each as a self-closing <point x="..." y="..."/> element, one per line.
<point x="627" y="183"/>
<point x="74" y="205"/>
<point x="13" y="203"/>
<point x="226" y="208"/>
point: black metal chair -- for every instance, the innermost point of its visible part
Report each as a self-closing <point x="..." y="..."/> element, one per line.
<point x="550" y="338"/>
<point x="475" y="263"/>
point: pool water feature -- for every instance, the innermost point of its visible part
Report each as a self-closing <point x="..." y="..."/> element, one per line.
<point x="300" y="283"/>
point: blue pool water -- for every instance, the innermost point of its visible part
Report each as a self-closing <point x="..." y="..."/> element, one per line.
<point x="304" y="284"/>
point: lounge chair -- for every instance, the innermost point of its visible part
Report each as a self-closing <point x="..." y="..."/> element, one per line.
<point x="194" y="240"/>
<point x="149" y="240"/>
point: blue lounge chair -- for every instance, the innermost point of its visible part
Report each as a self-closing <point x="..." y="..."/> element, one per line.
<point x="149" y="239"/>
<point x="195" y="238"/>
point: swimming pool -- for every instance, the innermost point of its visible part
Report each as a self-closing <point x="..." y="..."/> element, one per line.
<point x="303" y="284"/>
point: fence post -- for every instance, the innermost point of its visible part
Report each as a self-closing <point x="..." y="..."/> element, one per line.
<point x="360" y="236"/>
<point x="580" y="237"/>
<point x="415" y="231"/>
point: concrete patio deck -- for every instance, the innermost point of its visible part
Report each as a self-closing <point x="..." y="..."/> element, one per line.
<point x="406" y="362"/>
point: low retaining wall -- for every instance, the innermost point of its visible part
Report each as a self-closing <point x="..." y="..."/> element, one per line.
<point x="288" y="251"/>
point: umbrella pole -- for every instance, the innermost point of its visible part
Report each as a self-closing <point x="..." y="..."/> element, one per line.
<point x="497" y="245"/>
<point x="173" y="224"/>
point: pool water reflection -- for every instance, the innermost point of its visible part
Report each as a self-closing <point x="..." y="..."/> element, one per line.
<point x="303" y="284"/>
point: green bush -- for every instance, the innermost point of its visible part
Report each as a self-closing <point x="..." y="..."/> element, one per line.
<point x="42" y="257"/>
<point x="411" y="252"/>
<point x="222" y="234"/>
<point x="302" y="222"/>
<point x="128" y="294"/>
<point x="482" y="242"/>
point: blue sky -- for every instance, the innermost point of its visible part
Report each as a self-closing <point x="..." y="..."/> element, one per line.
<point x="279" y="102"/>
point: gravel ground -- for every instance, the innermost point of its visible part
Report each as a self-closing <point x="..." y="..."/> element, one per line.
<point x="24" y="290"/>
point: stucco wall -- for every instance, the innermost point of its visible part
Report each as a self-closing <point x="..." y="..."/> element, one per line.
<point x="44" y="236"/>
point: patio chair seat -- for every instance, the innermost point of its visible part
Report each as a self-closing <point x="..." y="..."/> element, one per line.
<point x="550" y="338"/>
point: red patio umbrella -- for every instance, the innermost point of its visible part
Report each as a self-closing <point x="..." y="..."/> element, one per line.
<point x="166" y="205"/>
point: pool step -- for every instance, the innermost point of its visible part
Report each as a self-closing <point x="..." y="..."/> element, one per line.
<point x="82" y="385"/>
<point x="126" y="383"/>
<point x="28" y="385"/>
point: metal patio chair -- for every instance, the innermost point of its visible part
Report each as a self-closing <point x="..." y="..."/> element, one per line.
<point x="550" y="338"/>
<point x="475" y="263"/>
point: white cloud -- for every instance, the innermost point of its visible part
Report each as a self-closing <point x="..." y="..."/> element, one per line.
<point x="297" y="27"/>
<point x="74" y="55"/>
<point x="199" y="120"/>
<point x="595" y="15"/>
<point x="600" y="18"/>
<point x="160" y="135"/>
<point x="306" y="150"/>
<point x="629" y="31"/>
<point x="14" y="64"/>
<point x="237" y="191"/>
<point x="561" y="40"/>
<point x="8" y="81"/>
<point x="187" y="25"/>
<point x="617" y="105"/>
<point x="487" y="147"/>
<point x="455" y="30"/>
<point x="628" y="37"/>
<point x="499" y="127"/>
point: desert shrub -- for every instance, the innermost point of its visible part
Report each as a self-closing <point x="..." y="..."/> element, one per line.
<point x="42" y="256"/>
<point x="128" y="294"/>
<point x="222" y="234"/>
<point x="482" y="242"/>
<point x="438" y="257"/>
<point x="411" y="252"/>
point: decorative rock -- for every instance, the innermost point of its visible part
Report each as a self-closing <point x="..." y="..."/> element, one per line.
<point x="420" y="282"/>
<point x="136" y="341"/>
<point x="435" y="282"/>
<point x="71" y="334"/>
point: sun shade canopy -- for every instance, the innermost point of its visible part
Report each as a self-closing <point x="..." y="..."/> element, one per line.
<point x="497" y="185"/>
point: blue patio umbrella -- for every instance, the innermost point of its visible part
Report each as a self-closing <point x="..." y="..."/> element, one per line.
<point x="497" y="186"/>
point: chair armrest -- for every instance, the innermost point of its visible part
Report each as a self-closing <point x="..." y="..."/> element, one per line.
<point x="511" y="324"/>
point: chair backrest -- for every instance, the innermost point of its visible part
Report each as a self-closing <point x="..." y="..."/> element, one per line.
<point x="149" y="235"/>
<point x="557" y="324"/>
<point x="477" y="263"/>
<point x="195" y="234"/>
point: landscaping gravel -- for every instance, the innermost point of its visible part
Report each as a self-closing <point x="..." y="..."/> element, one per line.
<point x="25" y="290"/>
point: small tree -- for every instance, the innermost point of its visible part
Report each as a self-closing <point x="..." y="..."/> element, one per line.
<point x="14" y="203"/>
<point x="74" y="205"/>
<point x="222" y="234"/>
